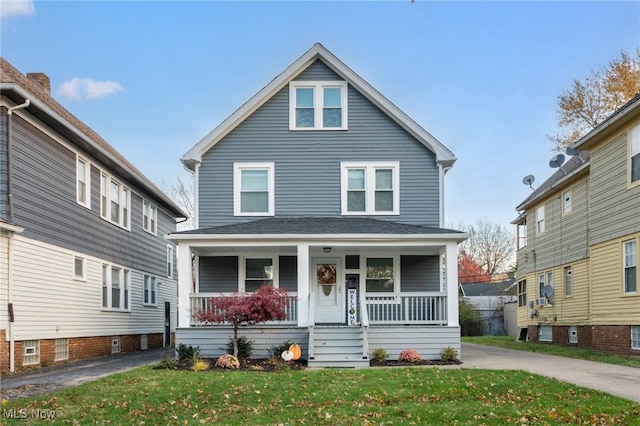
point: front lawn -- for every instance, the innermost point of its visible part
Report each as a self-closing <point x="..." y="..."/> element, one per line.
<point x="333" y="397"/>
<point x="546" y="348"/>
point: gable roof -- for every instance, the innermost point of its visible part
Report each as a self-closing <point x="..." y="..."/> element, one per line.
<point x="486" y="289"/>
<point x="19" y="88"/>
<point x="318" y="51"/>
<point x="571" y="169"/>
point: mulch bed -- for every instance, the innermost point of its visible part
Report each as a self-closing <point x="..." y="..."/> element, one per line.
<point x="388" y="363"/>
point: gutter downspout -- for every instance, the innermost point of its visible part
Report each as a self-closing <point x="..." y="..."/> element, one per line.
<point x="12" y="343"/>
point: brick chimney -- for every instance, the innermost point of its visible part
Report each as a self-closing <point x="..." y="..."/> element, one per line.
<point x="41" y="79"/>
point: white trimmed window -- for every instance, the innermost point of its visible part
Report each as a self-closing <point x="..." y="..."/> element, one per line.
<point x="149" y="217"/>
<point x="115" y="200"/>
<point x="634" y="154"/>
<point x="370" y="188"/>
<point x="253" y="189"/>
<point x="258" y="272"/>
<point x="630" y="267"/>
<point x="380" y="275"/>
<point x="540" y="220"/>
<point x="545" y="333"/>
<point x="568" y="281"/>
<point x="566" y="202"/>
<point x="318" y="105"/>
<point x="116" y="288"/>
<point x="79" y="268"/>
<point x="150" y="291"/>
<point x="635" y="337"/>
<point x="169" y="261"/>
<point x="83" y="182"/>
<point x="61" y="349"/>
<point x="30" y="352"/>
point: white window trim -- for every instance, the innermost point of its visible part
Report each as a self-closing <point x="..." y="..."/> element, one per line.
<point x="567" y="206"/>
<point x="635" y="328"/>
<point x="568" y="269"/>
<point x="146" y="207"/>
<point x="242" y="269"/>
<point x="170" y="260"/>
<point x="105" y="197"/>
<point x="318" y="99"/>
<point x="625" y="266"/>
<point x="84" y="268"/>
<point x="634" y="150"/>
<point x="125" y="284"/>
<point x="237" y="186"/>
<point x="87" y="181"/>
<point x="540" y="220"/>
<point x="396" y="273"/>
<point x="370" y="190"/>
<point x="153" y="289"/>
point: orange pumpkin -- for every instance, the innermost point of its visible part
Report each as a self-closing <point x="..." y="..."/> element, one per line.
<point x="296" y="351"/>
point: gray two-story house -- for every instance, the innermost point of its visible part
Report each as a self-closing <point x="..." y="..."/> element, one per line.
<point x="321" y="186"/>
<point x="85" y="269"/>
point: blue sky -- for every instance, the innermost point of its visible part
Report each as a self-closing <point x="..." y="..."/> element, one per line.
<point x="153" y="78"/>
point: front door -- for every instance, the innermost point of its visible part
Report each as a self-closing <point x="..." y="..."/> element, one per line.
<point x="328" y="287"/>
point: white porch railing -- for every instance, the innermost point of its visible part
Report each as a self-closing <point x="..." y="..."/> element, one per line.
<point x="200" y="302"/>
<point x="407" y="308"/>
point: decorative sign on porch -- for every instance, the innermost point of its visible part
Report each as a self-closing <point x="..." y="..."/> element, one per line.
<point x="352" y="312"/>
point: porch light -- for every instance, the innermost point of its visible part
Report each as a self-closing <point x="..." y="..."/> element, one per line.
<point x="327" y="249"/>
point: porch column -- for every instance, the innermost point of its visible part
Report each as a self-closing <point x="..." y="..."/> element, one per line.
<point x="185" y="280"/>
<point x="451" y="258"/>
<point x="303" y="285"/>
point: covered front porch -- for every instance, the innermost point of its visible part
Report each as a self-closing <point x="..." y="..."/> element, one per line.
<point x="349" y="292"/>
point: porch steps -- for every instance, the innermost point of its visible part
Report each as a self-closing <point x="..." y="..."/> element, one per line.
<point x="338" y="347"/>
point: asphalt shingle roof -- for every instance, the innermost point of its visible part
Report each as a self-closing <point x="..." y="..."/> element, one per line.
<point x="320" y="225"/>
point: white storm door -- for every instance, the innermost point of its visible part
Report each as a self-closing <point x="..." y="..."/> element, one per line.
<point x="328" y="287"/>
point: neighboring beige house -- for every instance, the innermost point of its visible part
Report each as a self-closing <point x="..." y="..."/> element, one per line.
<point x="578" y="238"/>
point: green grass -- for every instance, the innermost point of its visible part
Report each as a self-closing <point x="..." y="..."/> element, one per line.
<point x="330" y="397"/>
<point x="546" y="348"/>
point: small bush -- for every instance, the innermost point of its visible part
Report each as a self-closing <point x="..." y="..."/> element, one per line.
<point x="228" y="361"/>
<point x="187" y="353"/>
<point x="200" y="365"/>
<point x="245" y="347"/>
<point x="380" y="355"/>
<point x="471" y="323"/>
<point x="168" y="362"/>
<point x="410" y="355"/>
<point x="448" y="354"/>
<point x="276" y="351"/>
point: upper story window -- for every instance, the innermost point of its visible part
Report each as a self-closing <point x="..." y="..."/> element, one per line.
<point x="149" y="217"/>
<point x="169" y="261"/>
<point x="318" y="105"/>
<point x="115" y="200"/>
<point x="79" y="268"/>
<point x="634" y="154"/>
<point x="253" y="189"/>
<point x="567" y="202"/>
<point x="116" y="288"/>
<point x="370" y="188"/>
<point x="83" y="182"/>
<point x="522" y="293"/>
<point x="540" y="225"/>
<point x="630" y="266"/>
<point x="521" y="233"/>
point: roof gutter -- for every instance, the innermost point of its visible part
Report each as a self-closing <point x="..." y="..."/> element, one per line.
<point x="606" y="124"/>
<point x="555" y="185"/>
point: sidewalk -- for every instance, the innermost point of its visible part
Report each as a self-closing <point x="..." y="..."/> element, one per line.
<point x="616" y="380"/>
<point x="50" y="379"/>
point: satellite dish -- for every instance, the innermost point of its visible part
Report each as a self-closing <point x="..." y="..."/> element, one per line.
<point x="571" y="151"/>
<point x="556" y="161"/>
<point x="547" y="292"/>
<point x="528" y="180"/>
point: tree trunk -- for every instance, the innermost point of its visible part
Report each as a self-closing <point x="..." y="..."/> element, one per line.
<point x="235" y="341"/>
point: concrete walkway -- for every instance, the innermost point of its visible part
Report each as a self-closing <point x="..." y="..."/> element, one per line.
<point x="613" y="379"/>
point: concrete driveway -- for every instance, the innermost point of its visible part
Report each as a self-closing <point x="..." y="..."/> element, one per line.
<point x="613" y="379"/>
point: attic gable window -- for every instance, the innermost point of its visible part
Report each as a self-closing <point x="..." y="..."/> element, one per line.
<point x="634" y="154"/>
<point x="253" y="189"/>
<point x="318" y="105"/>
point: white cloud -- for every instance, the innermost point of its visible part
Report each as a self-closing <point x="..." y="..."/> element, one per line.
<point x="16" y="8"/>
<point x="78" y="89"/>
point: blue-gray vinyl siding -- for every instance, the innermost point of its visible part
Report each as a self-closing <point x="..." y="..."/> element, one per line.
<point x="419" y="273"/>
<point x="218" y="274"/>
<point x="44" y="202"/>
<point x="307" y="163"/>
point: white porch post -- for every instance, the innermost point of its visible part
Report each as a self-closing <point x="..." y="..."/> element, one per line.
<point x="185" y="280"/>
<point x="451" y="258"/>
<point x="303" y="285"/>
